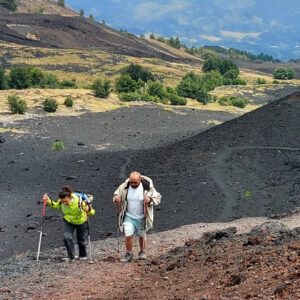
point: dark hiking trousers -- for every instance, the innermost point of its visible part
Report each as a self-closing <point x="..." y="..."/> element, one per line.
<point x="81" y="233"/>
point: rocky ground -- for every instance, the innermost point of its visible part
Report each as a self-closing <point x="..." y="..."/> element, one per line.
<point x="252" y="258"/>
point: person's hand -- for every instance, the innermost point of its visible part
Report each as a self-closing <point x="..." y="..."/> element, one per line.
<point x="147" y="200"/>
<point x="46" y="197"/>
<point x="117" y="199"/>
<point x="87" y="208"/>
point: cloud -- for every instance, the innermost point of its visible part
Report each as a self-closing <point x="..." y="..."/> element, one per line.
<point x="211" y="38"/>
<point x="229" y="4"/>
<point x="150" y="11"/>
<point x="240" y="35"/>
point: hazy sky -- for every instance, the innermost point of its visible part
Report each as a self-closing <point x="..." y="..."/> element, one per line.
<point x="273" y="25"/>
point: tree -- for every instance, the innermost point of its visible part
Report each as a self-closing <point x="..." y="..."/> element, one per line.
<point x="9" y="4"/>
<point x="61" y="3"/>
<point x="152" y="36"/>
<point x="91" y="17"/>
<point x="219" y="64"/>
<point x="283" y="73"/>
<point x="137" y="72"/>
<point x="81" y="12"/>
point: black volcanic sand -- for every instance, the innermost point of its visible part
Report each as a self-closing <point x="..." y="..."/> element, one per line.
<point x="248" y="166"/>
<point x="99" y="148"/>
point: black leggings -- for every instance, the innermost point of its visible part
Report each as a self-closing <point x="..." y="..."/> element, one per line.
<point x="81" y="233"/>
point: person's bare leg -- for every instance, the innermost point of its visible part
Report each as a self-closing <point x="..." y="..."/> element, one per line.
<point x="129" y="243"/>
<point x="143" y="243"/>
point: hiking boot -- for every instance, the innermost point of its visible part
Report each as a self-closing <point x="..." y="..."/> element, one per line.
<point x="82" y="258"/>
<point x="142" y="255"/>
<point x="127" y="258"/>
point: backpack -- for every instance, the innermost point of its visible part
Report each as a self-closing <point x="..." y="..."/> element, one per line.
<point x="88" y="198"/>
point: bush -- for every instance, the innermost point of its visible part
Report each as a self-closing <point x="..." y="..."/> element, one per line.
<point x="221" y="65"/>
<point x="224" y="101"/>
<point x="125" y="84"/>
<point x="50" y="81"/>
<point x="69" y="102"/>
<point x="233" y="101"/>
<point x="202" y="96"/>
<point x="20" y="78"/>
<point x="50" y="105"/>
<point x="3" y="80"/>
<point x="132" y="96"/>
<point x="137" y="72"/>
<point x="176" y="100"/>
<point x="283" y="73"/>
<point x="261" y="81"/>
<point x="9" y="4"/>
<point x="61" y="3"/>
<point x="237" y="81"/>
<point x="276" y="82"/>
<point x="68" y="83"/>
<point x="17" y="105"/>
<point x="138" y="97"/>
<point x="58" y="145"/>
<point x="101" y="89"/>
<point x="155" y="88"/>
<point x="240" y="102"/>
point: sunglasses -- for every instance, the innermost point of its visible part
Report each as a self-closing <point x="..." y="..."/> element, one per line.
<point x="134" y="182"/>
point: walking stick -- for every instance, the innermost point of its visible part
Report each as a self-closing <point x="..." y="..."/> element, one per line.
<point x="89" y="239"/>
<point x="118" y="229"/>
<point x="41" y="230"/>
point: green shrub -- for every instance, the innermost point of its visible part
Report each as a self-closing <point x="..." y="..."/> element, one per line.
<point x="176" y="100"/>
<point x="155" y="88"/>
<point x="261" y="81"/>
<point x="20" y="78"/>
<point x="61" y="3"/>
<point x="137" y="72"/>
<point x="276" y="82"/>
<point x="16" y="104"/>
<point x="101" y="88"/>
<point x="58" y="145"/>
<point x="240" y="102"/>
<point x="221" y="65"/>
<point x="134" y="96"/>
<point x="69" y="102"/>
<point x="225" y="101"/>
<point x="3" y="80"/>
<point x="9" y="4"/>
<point x="50" y="81"/>
<point x="202" y="96"/>
<point x="131" y="96"/>
<point x="283" y="73"/>
<point x="50" y="105"/>
<point x="68" y="83"/>
<point x="125" y="84"/>
<point x="233" y="101"/>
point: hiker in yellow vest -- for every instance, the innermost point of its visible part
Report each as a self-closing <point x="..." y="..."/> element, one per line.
<point x="75" y="218"/>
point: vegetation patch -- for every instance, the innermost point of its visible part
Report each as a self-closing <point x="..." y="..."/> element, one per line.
<point x="16" y="104"/>
<point x="58" y="145"/>
<point x="50" y="105"/>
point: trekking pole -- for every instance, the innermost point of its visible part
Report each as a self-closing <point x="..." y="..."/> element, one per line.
<point x="89" y="239"/>
<point x="118" y="229"/>
<point x="41" y="230"/>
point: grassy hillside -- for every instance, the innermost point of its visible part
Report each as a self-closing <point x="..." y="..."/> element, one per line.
<point x="87" y="65"/>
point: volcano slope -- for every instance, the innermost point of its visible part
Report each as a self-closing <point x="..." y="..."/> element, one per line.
<point x="247" y="166"/>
